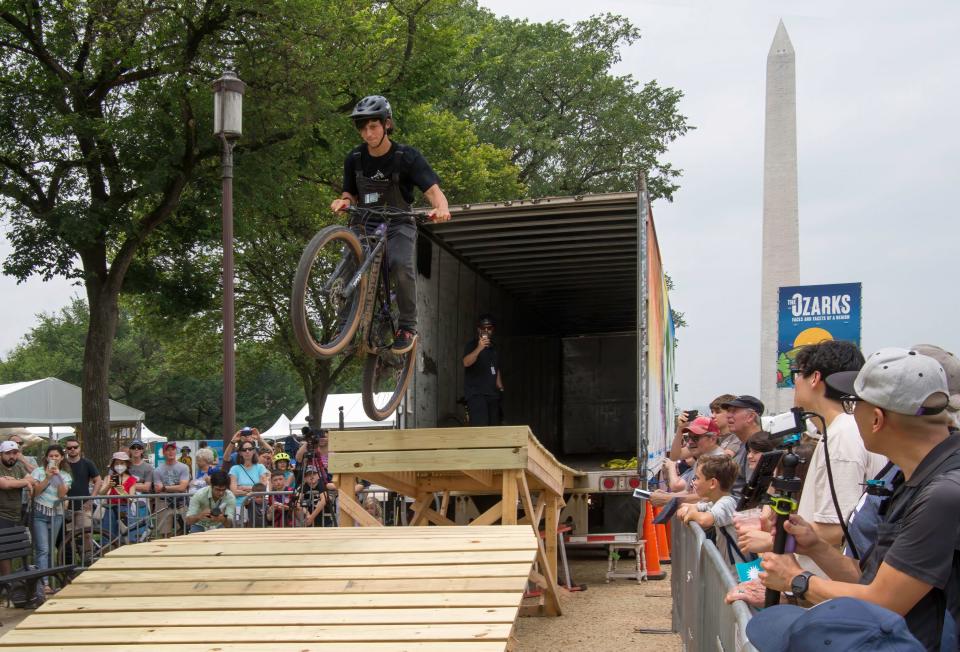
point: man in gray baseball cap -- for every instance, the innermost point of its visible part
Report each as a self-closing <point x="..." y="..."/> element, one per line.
<point x="899" y="399"/>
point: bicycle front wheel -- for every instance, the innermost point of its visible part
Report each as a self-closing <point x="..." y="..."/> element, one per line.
<point x="326" y="303"/>
<point x="386" y="376"/>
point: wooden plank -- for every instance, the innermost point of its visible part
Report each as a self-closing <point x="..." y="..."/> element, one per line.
<point x="369" y="441"/>
<point x="309" y="534"/>
<point x="264" y="560"/>
<point x="349" y="505"/>
<point x="348" y="481"/>
<point x="445" y="503"/>
<point x="552" y="601"/>
<point x="430" y="460"/>
<point x="392" y="482"/>
<point x="492" y="515"/>
<point x="484" y="477"/>
<point x="256" y="603"/>
<point x="266" y="634"/>
<point x="186" y="618"/>
<point x="509" y="493"/>
<point x="97" y="575"/>
<point x="330" y="546"/>
<point x="301" y="586"/>
<point x="405" y="646"/>
<point x="436" y="518"/>
<point x="417" y="508"/>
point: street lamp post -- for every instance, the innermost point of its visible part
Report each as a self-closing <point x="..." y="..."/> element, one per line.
<point x="228" y="126"/>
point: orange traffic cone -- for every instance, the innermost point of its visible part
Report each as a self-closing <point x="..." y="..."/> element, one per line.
<point x="663" y="546"/>
<point x="651" y="548"/>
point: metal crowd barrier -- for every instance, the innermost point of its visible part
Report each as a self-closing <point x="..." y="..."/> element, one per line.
<point x="92" y="526"/>
<point x="700" y="580"/>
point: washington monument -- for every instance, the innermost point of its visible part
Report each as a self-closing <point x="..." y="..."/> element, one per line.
<point x="781" y="230"/>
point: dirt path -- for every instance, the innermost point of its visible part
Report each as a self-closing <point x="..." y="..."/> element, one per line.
<point x="603" y="618"/>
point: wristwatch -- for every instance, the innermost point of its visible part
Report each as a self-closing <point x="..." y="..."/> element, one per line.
<point x="800" y="584"/>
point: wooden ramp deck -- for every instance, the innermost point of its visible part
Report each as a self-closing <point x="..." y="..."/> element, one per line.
<point x="422" y="463"/>
<point x="294" y="590"/>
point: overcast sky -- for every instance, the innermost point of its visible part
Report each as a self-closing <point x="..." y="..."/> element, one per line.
<point x="879" y="163"/>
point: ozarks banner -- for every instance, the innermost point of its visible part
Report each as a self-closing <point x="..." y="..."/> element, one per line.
<point x="809" y="314"/>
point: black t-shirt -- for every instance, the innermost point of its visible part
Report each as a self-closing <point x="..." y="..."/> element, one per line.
<point x="82" y="471"/>
<point x="919" y="535"/>
<point x="407" y="162"/>
<point x="480" y="378"/>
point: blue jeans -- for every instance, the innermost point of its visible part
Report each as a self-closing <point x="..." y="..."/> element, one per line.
<point x="45" y="530"/>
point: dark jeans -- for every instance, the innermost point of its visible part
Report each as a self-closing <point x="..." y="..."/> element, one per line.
<point x="402" y="257"/>
<point x="484" y="410"/>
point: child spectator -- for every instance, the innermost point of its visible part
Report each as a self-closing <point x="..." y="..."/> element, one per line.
<point x="714" y="479"/>
<point x="255" y="509"/>
<point x="313" y="499"/>
<point x="757" y="444"/>
<point x="281" y="462"/>
<point x="279" y="506"/>
<point x="119" y="483"/>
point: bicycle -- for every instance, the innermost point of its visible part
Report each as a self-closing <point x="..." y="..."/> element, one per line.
<point x="342" y="303"/>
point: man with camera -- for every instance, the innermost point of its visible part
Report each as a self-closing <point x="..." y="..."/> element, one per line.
<point x="482" y="384"/>
<point x="213" y="506"/>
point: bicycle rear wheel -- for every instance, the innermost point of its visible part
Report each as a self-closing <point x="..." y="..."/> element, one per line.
<point x="325" y="307"/>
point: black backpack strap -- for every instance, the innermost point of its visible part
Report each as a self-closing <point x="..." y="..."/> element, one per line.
<point x="734" y="548"/>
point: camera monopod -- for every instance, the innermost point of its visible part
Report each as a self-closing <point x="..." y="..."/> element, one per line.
<point x="787" y="484"/>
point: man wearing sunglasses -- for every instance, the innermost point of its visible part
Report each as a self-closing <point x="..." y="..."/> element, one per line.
<point x="380" y="172"/>
<point x="482" y="384"/>
<point x="851" y="464"/>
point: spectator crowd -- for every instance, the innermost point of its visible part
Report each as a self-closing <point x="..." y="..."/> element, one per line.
<point x="875" y="520"/>
<point x="67" y="503"/>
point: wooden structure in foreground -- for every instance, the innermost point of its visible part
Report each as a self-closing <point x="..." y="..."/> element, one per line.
<point x="503" y="460"/>
<point x="294" y="590"/>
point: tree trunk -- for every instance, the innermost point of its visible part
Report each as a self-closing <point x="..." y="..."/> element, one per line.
<point x="97" y="352"/>
<point x="317" y="386"/>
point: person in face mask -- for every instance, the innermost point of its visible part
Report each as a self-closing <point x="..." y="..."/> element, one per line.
<point x="119" y="483"/>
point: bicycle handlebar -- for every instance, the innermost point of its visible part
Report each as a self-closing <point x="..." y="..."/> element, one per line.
<point x="388" y="213"/>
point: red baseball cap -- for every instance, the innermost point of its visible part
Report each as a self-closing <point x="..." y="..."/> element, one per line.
<point x="702" y="425"/>
<point x="169" y="444"/>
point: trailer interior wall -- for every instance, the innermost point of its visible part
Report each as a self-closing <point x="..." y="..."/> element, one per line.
<point x="450" y="297"/>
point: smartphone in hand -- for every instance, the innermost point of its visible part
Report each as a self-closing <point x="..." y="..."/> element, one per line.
<point x="641" y="493"/>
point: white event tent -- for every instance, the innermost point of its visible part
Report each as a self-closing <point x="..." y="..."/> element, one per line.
<point x="147" y="436"/>
<point x="278" y="430"/>
<point x="52" y="402"/>
<point x="353" y="414"/>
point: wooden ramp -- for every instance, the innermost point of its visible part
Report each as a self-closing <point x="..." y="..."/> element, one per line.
<point x="293" y="590"/>
<point x="425" y="462"/>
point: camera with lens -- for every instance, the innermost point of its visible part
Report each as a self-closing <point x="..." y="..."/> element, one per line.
<point x="310" y="434"/>
<point x="215" y="511"/>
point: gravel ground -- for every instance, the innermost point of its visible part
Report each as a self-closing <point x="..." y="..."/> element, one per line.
<point x="602" y="618"/>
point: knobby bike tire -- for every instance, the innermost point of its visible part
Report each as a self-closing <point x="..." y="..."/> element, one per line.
<point x="298" y="306"/>
<point x="372" y="368"/>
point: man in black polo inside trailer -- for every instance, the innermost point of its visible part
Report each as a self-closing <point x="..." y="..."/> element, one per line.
<point x="482" y="384"/>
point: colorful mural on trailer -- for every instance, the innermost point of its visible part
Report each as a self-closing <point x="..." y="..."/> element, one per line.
<point x="660" y="361"/>
<point x="809" y="314"/>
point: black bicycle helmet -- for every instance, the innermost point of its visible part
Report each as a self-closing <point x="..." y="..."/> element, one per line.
<point x="372" y="106"/>
<point x="486" y="319"/>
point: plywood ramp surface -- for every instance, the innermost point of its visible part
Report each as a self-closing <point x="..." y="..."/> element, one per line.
<point x="422" y="589"/>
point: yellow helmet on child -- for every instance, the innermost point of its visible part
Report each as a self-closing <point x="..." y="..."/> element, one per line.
<point x="281" y="457"/>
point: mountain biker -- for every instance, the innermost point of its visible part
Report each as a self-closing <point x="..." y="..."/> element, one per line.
<point x="380" y="172"/>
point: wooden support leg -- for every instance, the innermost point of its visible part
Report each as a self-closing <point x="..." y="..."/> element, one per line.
<point x="445" y="503"/>
<point x="552" y="519"/>
<point x="345" y="484"/>
<point x="419" y="509"/>
<point x="552" y="601"/>
<point x="490" y="516"/>
<point x="510" y="497"/>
